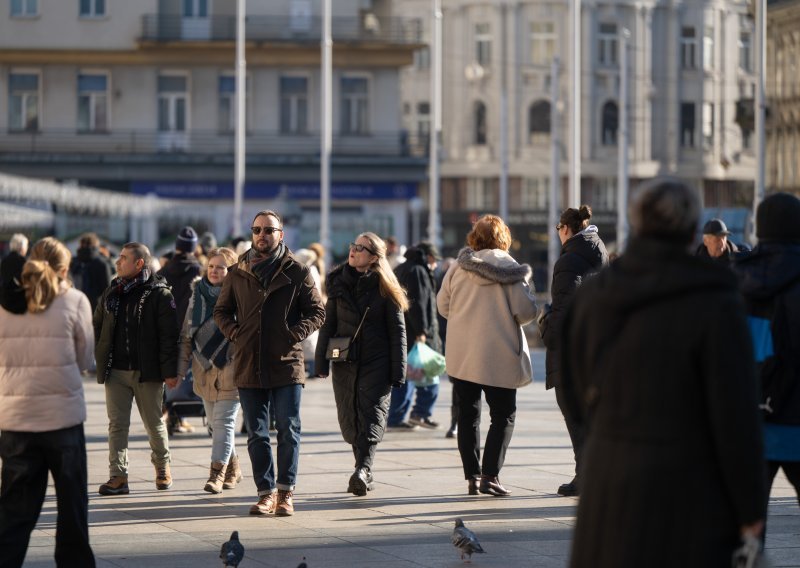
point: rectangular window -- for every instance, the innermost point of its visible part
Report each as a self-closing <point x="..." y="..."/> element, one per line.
<point x="23" y="101"/>
<point x="93" y="8"/>
<point x="92" y="102"/>
<point x="480" y="194"/>
<point x="294" y="105"/>
<point x="687" y="125"/>
<point x="607" y="44"/>
<point x="24" y="8"/>
<point x="604" y="194"/>
<point x="172" y="103"/>
<point x="483" y="44"/>
<point x="688" y="48"/>
<point x="355" y="105"/>
<point x="423" y="122"/>
<point x="422" y="59"/>
<point x="535" y="194"/>
<point x="745" y="52"/>
<point x="543" y="43"/>
<point x="708" y="125"/>
<point x="708" y="48"/>
<point x="195" y="8"/>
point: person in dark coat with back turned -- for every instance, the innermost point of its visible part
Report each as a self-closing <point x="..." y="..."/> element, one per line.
<point x="90" y="271"/>
<point x="364" y="289"/>
<point x="582" y="254"/>
<point x="657" y="363"/>
<point x="182" y="270"/>
<point x="770" y="282"/>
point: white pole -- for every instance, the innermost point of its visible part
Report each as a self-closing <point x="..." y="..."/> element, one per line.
<point x="434" y="221"/>
<point x="554" y="247"/>
<point x="503" y="120"/>
<point x="575" y="118"/>
<point x="622" y="142"/>
<point x="241" y="86"/>
<point x="327" y="131"/>
<point x="760" y="103"/>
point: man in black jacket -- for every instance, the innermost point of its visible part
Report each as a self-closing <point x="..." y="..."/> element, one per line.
<point x="136" y="352"/>
<point x="90" y="272"/>
<point x="11" y="293"/>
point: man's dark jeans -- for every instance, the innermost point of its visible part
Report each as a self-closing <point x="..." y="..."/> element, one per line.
<point x="27" y="458"/>
<point x="256" y="406"/>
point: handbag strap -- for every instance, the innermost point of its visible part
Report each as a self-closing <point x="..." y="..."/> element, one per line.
<point x="358" y="329"/>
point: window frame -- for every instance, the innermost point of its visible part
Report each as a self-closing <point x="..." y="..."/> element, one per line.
<point x="607" y="45"/>
<point x="540" y="135"/>
<point x="535" y="194"/>
<point x="688" y="48"/>
<point x="24" y="6"/>
<point x="92" y="127"/>
<point x="609" y="136"/>
<point x="174" y="96"/>
<point x="353" y="128"/>
<point x="293" y="100"/>
<point x="483" y="43"/>
<point x="480" y="135"/>
<point x="23" y="105"/>
<point x="689" y="141"/>
<point x="93" y="13"/>
<point x="544" y="41"/>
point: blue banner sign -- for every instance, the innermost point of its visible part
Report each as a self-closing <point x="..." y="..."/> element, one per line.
<point x="273" y="190"/>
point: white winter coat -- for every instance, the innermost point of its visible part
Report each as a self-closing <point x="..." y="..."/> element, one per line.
<point x="41" y="359"/>
<point x="485" y="297"/>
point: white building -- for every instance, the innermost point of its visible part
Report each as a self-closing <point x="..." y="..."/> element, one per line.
<point x="689" y="65"/>
<point x="137" y="96"/>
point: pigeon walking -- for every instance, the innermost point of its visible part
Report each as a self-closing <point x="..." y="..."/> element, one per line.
<point x="232" y="551"/>
<point x="465" y="541"/>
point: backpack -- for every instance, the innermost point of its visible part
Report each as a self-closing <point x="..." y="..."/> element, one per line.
<point x="80" y="276"/>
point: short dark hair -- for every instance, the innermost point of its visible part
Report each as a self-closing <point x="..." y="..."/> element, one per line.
<point x="666" y="209"/>
<point x="89" y="240"/>
<point x="140" y="252"/>
<point x="270" y="213"/>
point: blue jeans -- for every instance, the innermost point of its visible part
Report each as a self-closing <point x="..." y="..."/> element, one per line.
<point x="256" y="405"/>
<point x="221" y="415"/>
<point x="27" y="459"/>
<point x="401" y="402"/>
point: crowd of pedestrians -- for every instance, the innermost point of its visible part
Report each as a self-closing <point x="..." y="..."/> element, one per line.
<point x="677" y="374"/>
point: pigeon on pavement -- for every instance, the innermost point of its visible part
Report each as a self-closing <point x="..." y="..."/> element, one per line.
<point x="232" y="551"/>
<point x="303" y="563"/>
<point x="465" y="541"/>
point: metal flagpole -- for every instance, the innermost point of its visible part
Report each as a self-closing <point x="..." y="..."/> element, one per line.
<point x="555" y="175"/>
<point x="760" y="104"/>
<point x="241" y="86"/>
<point x="622" y="141"/>
<point x="327" y="131"/>
<point x="575" y="122"/>
<point x="434" y="222"/>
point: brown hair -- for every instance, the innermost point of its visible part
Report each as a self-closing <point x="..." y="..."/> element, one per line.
<point x="40" y="278"/>
<point x="270" y="213"/>
<point x="226" y="253"/>
<point x="576" y="219"/>
<point x="389" y="286"/>
<point x="90" y="240"/>
<point x="489" y="232"/>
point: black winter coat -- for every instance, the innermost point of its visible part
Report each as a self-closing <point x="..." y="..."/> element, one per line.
<point x="362" y="387"/>
<point x="581" y="255"/>
<point x="12" y="296"/>
<point x="90" y="273"/>
<point x="181" y="270"/>
<point x="772" y="270"/>
<point x="658" y="364"/>
<point x="419" y="282"/>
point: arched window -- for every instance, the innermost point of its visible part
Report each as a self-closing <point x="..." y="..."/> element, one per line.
<point x="480" y="124"/>
<point x="539" y="121"/>
<point x="610" y="123"/>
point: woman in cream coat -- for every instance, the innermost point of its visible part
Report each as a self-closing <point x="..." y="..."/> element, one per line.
<point x="486" y="297"/>
<point x="42" y="408"/>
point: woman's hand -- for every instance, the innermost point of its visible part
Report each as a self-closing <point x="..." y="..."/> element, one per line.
<point x="421" y="338"/>
<point x="754" y="529"/>
<point x="172" y="382"/>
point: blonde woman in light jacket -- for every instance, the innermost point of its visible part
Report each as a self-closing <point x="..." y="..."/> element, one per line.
<point x="486" y="297"/>
<point x="204" y="347"/>
<point x="42" y="408"/>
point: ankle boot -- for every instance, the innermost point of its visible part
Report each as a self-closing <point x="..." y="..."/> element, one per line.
<point x="472" y="486"/>
<point x="216" y="476"/>
<point x="233" y="473"/>
<point x="490" y="485"/>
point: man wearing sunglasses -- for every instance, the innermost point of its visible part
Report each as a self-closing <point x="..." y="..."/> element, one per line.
<point x="268" y="304"/>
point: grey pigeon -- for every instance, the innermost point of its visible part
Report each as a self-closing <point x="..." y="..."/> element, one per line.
<point x="465" y="541"/>
<point x="232" y="551"/>
<point x="303" y="563"/>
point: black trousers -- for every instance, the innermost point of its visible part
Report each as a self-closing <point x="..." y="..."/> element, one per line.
<point x="502" y="411"/>
<point x="27" y="459"/>
<point x="577" y="434"/>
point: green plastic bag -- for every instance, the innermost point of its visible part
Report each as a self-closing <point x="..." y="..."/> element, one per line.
<point x="424" y="365"/>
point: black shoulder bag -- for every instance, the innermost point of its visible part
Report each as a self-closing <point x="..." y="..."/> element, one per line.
<point x="338" y="349"/>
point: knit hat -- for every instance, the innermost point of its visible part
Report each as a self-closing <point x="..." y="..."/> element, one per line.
<point x="778" y="218"/>
<point x="208" y="241"/>
<point x="187" y="240"/>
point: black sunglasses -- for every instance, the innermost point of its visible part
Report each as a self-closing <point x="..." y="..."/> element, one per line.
<point x="267" y="230"/>
<point x="362" y="248"/>
<point x="558" y="227"/>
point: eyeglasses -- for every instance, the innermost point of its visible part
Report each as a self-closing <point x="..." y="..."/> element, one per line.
<point x="558" y="227"/>
<point x="267" y="230"/>
<point x="362" y="248"/>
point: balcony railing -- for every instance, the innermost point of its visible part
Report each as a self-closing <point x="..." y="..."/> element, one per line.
<point x="206" y="142"/>
<point x="366" y="29"/>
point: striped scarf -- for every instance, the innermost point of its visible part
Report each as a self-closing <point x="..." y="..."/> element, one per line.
<point x="209" y="345"/>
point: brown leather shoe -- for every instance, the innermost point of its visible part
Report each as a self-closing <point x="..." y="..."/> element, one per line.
<point x="472" y="487"/>
<point x="490" y="485"/>
<point x="216" y="476"/>
<point x="285" y="507"/>
<point x="163" y="477"/>
<point x="233" y="473"/>
<point x="117" y="485"/>
<point x="265" y="505"/>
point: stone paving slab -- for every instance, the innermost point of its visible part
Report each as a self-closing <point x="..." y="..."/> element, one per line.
<point x="405" y="522"/>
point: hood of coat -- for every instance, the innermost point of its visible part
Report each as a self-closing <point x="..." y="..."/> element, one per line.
<point x="85" y="254"/>
<point x="768" y="269"/>
<point x="652" y="271"/>
<point x="493" y="266"/>
<point x="178" y="265"/>
<point x="588" y="245"/>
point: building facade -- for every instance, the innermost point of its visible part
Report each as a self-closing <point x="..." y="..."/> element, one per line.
<point x="690" y="63"/>
<point x="139" y="97"/>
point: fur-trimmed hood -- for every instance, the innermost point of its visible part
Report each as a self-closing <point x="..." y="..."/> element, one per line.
<point x="495" y="266"/>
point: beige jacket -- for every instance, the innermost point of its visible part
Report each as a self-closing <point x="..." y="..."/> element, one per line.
<point x="41" y="359"/>
<point x="213" y="384"/>
<point x="485" y="297"/>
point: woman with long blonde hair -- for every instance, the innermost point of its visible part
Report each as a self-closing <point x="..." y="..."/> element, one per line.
<point x="365" y="303"/>
<point x="42" y="408"/>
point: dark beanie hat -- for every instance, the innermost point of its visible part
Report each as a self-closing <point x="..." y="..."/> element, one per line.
<point x="778" y="218"/>
<point x="187" y="240"/>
